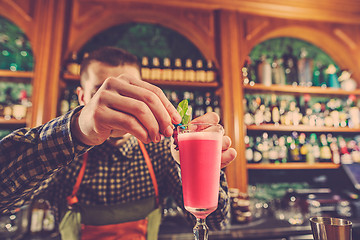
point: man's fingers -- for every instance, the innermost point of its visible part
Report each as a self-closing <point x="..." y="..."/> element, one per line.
<point x="175" y="116"/>
<point x="227" y="157"/>
<point x="210" y="117"/>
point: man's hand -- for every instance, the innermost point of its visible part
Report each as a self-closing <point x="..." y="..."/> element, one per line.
<point x="228" y="153"/>
<point x="125" y="105"/>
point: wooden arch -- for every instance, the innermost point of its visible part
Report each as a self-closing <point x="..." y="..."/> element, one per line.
<point x="197" y="27"/>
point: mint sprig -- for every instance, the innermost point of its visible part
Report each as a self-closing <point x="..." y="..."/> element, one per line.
<point x="184" y="111"/>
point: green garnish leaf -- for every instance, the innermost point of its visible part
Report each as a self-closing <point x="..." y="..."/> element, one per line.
<point x="184" y="111"/>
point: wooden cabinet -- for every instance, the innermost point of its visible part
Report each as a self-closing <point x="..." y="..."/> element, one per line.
<point x="224" y="31"/>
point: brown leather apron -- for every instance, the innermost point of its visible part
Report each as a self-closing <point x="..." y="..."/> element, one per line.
<point x="137" y="220"/>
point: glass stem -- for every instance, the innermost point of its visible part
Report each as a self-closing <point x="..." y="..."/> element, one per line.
<point x="201" y="229"/>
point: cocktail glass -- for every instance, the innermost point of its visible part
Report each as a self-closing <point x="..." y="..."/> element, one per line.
<point x="200" y="160"/>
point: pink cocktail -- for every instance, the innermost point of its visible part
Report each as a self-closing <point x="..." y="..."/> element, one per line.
<point x="200" y="160"/>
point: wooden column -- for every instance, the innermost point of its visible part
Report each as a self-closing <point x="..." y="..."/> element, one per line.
<point x="230" y="34"/>
<point x="48" y="42"/>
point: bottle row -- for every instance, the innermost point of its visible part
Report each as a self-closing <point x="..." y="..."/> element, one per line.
<point x="305" y="110"/>
<point x="200" y="102"/>
<point x="14" y="100"/>
<point x="299" y="147"/>
<point x="178" y="69"/>
<point x="297" y="71"/>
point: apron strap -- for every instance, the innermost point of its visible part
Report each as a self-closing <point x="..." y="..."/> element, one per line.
<point x="72" y="199"/>
<point x="151" y="170"/>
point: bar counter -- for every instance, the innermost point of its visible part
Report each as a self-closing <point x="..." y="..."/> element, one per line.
<point x="175" y="228"/>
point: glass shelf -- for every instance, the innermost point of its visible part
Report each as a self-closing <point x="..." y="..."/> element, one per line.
<point x="275" y="166"/>
<point x="299" y="90"/>
<point x="70" y="77"/>
<point x="300" y="128"/>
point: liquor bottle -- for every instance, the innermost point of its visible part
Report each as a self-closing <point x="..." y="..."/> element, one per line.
<point x="305" y="69"/>
<point x="264" y="71"/>
<point x="190" y="98"/>
<point x="216" y="104"/>
<point x="145" y="68"/>
<point x="275" y="113"/>
<point x="199" y="105"/>
<point x="167" y="71"/>
<point x="290" y="65"/>
<point x="345" y="156"/>
<point x="200" y="71"/>
<point x="265" y="148"/>
<point x="303" y="147"/>
<point x="156" y="71"/>
<point x="278" y="71"/>
<point x="174" y="98"/>
<point x="42" y="220"/>
<point x="295" y="148"/>
<point x="210" y="71"/>
<point x="249" y="153"/>
<point x="73" y="99"/>
<point x="316" y="75"/>
<point x="325" y="151"/>
<point x="315" y="148"/>
<point x="354" y="113"/>
<point x="332" y="79"/>
<point x="64" y="103"/>
<point x="208" y="103"/>
<point x="73" y="66"/>
<point x="189" y="71"/>
<point x="7" y="112"/>
<point x="19" y="109"/>
<point x="258" y="148"/>
<point x="179" y="74"/>
<point x="335" y="151"/>
<point x="283" y="151"/>
<point x="274" y="149"/>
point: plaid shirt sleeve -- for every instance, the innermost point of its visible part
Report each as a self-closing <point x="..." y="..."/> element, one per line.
<point x="30" y="156"/>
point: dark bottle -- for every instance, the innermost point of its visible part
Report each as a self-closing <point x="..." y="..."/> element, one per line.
<point x="305" y="69"/>
<point x="73" y="66"/>
<point x="65" y="103"/>
<point x="210" y="72"/>
<point x="167" y="71"/>
<point x="216" y="104"/>
<point x="278" y="71"/>
<point x="208" y="102"/>
<point x="155" y="73"/>
<point x="283" y="151"/>
<point x="190" y="74"/>
<point x="200" y="71"/>
<point x="303" y="147"/>
<point x="290" y="65"/>
<point x="145" y="68"/>
<point x="179" y="74"/>
<point x="295" y="148"/>
<point x="7" y="112"/>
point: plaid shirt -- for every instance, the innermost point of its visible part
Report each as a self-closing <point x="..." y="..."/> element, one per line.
<point x="47" y="160"/>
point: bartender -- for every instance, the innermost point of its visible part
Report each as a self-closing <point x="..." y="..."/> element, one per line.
<point x="105" y="166"/>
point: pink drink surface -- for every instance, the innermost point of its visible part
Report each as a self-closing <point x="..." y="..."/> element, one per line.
<point x="200" y="156"/>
